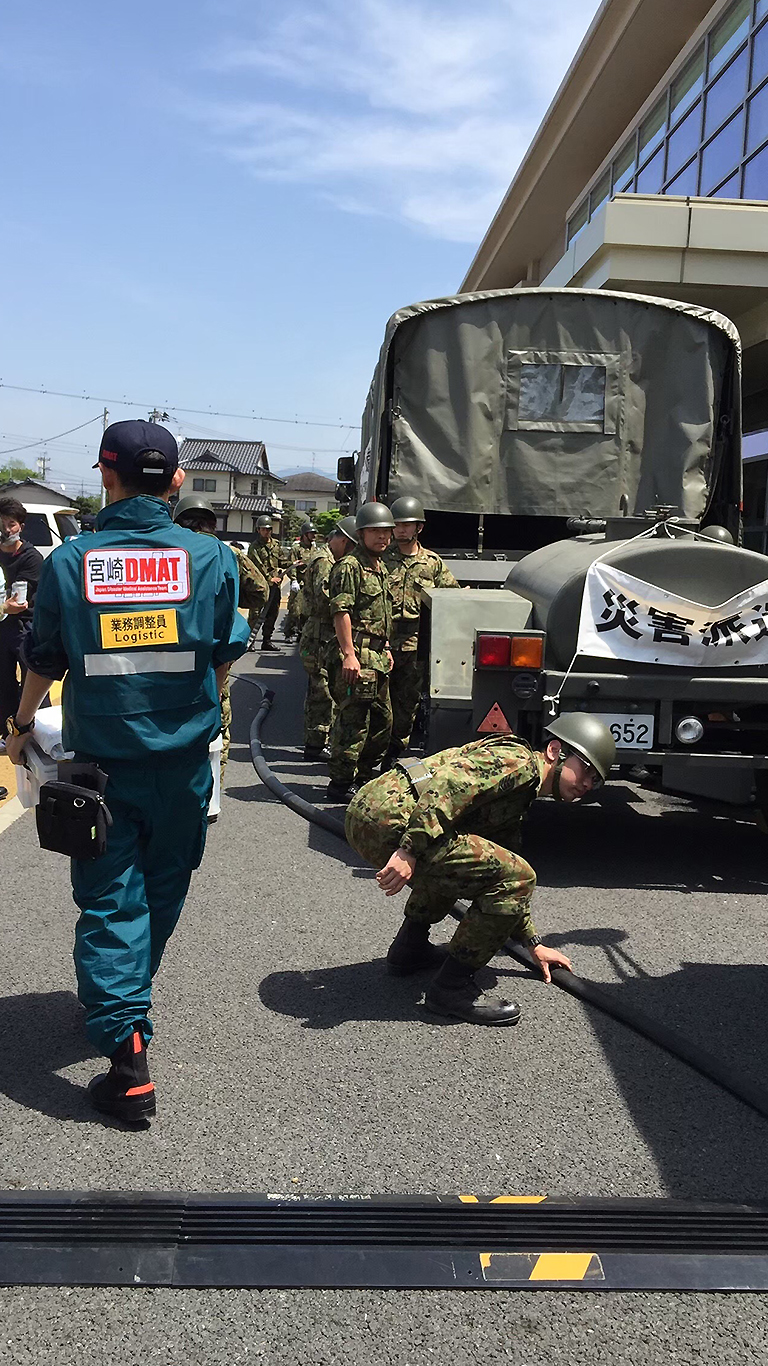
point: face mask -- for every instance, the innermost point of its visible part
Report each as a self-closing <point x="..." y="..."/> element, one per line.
<point x="10" y="537"/>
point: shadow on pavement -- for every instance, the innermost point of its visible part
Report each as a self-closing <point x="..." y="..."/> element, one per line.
<point x="611" y="843"/>
<point x="42" y="1033"/>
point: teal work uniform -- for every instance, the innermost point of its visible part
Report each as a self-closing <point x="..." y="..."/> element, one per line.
<point x="136" y="618"/>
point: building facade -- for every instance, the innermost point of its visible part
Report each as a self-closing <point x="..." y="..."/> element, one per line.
<point x="235" y="478"/>
<point x="649" y="174"/>
<point x="309" y="493"/>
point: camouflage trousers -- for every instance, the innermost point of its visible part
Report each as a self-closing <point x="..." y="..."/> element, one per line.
<point x="292" y="621"/>
<point x="318" y="703"/>
<point x="362" y="723"/>
<point x="498" y="883"/>
<point x="406" y="683"/>
<point x="268" y="615"/>
<point x="226" y="724"/>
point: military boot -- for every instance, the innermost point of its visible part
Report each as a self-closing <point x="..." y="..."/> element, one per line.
<point x="454" y="991"/>
<point x="126" y="1090"/>
<point x="411" y="951"/>
<point x="342" y="793"/>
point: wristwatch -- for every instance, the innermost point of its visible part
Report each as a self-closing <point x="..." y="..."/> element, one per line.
<point x="12" y="727"/>
<point x="534" y="942"/>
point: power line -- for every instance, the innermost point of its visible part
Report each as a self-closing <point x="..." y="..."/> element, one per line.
<point x="45" y="439"/>
<point x="202" y="412"/>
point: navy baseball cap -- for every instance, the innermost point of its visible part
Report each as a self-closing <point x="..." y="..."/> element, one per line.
<point x="133" y="447"/>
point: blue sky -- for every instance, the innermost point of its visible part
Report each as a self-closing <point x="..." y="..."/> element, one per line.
<point x="217" y="204"/>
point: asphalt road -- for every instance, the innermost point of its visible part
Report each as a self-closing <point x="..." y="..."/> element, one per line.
<point x="286" y="1060"/>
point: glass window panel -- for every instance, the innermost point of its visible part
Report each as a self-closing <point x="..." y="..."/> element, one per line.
<point x="760" y="56"/>
<point x="688" y="86"/>
<point x="601" y="192"/>
<point x="731" y="31"/>
<point x="730" y="190"/>
<point x="652" y="128"/>
<point x="650" y="178"/>
<point x="761" y="9"/>
<point x="727" y="91"/>
<point x="723" y="154"/>
<point x="624" y="166"/>
<point x="562" y="393"/>
<point x="578" y="221"/>
<point x="756" y="176"/>
<point x="757" y="119"/>
<point x="687" y="181"/>
<point x="684" y="141"/>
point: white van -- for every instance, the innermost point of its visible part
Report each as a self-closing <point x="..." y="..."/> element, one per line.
<point x="47" y="526"/>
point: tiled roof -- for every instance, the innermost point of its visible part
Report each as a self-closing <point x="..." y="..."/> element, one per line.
<point x="242" y="457"/>
<point x="251" y="505"/>
<point x="310" y="483"/>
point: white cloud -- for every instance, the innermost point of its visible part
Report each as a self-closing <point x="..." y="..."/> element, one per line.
<point x="410" y="108"/>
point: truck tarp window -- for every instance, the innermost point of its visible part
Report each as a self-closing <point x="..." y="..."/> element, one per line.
<point x="562" y="393"/>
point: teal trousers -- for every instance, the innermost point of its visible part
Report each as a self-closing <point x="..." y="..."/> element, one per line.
<point x="131" y="898"/>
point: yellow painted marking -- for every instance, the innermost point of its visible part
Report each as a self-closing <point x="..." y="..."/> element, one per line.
<point x="485" y="1260"/>
<point x="561" y="1266"/>
<point x="518" y="1199"/>
<point x="138" y="629"/>
<point x="468" y="1200"/>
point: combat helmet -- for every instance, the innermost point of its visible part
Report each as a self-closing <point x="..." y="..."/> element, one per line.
<point x="192" y="503"/>
<point x="305" y="528"/>
<point x="582" y="733"/>
<point x="372" y="515"/>
<point x="407" y="509"/>
<point x="263" y="520"/>
<point x="717" y="533"/>
<point x="345" y="527"/>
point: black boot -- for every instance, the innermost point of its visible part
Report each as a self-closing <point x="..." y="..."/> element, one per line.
<point x="126" y="1090"/>
<point x="316" y="755"/>
<point x="267" y="645"/>
<point x="411" y="951"/>
<point x="454" y="991"/>
<point x="340" y="792"/>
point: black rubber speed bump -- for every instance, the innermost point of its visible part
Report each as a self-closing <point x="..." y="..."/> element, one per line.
<point x="456" y="1242"/>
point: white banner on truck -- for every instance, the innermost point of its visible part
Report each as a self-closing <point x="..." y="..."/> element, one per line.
<point x="626" y="618"/>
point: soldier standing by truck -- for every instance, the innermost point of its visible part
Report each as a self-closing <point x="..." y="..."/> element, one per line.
<point x="268" y="557"/>
<point x="316" y="634"/>
<point x="359" y="659"/>
<point x="449" y="827"/>
<point x="302" y="550"/>
<point x="410" y="567"/>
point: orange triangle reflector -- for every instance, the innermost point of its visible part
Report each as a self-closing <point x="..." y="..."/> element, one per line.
<point x="494" y="721"/>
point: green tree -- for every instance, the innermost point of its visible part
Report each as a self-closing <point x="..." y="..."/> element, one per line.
<point x="87" y="502"/>
<point x="14" y="472"/>
<point x="325" y="521"/>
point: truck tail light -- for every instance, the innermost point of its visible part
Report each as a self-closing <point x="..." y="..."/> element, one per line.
<point x="493" y="652"/>
<point x="527" y="652"/>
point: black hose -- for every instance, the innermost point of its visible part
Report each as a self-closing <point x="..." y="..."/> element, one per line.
<point x="750" y="1093"/>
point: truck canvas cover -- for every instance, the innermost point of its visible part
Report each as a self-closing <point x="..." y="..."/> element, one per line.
<point x="555" y="403"/>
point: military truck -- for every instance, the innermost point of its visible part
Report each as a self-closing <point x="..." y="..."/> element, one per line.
<point x="578" y="454"/>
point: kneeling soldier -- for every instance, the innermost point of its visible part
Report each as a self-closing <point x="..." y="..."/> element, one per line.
<point x="448" y="827"/>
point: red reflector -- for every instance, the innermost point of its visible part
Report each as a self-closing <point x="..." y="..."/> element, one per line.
<point x="493" y="652"/>
<point x="494" y="722"/>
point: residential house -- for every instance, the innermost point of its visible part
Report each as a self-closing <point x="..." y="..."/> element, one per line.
<point x="235" y="478"/>
<point x="309" y="493"/>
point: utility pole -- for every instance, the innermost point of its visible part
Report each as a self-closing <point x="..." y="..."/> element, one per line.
<point x="157" y="416"/>
<point x="105" y="424"/>
<point x="42" y="466"/>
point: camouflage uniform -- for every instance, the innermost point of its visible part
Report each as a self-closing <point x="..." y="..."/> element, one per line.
<point x="463" y="830"/>
<point x="269" y="558"/>
<point x="407" y="574"/>
<point x="297" y="613"/>
<point x="254" y="591"/>
<point x="363" y="718"/>
<point x="317" y="632"/>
